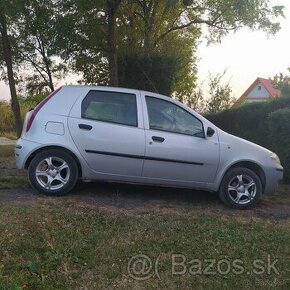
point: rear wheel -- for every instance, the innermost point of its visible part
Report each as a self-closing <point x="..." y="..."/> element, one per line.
<point x="53" y="172"/>
<point x="241" y="188"/>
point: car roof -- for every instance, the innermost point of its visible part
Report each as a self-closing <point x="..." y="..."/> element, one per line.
<point x="115" y="89"/>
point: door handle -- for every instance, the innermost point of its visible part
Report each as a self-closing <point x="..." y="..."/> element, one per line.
<point x="158" y="139"/>
<point x="85" y="127"/>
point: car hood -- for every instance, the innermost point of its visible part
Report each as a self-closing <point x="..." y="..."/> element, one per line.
<point x="235" y="141"/>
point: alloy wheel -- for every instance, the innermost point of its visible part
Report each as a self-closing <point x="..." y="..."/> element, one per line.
<point x="52" y="173"/>
<point x="242" y="189"/>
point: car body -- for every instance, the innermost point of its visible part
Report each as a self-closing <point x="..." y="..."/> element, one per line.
<point x="132" y="136"/>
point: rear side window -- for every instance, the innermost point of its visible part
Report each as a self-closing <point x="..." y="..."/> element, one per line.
<point x="112" y="107"/>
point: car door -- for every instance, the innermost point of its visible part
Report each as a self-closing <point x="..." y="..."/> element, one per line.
<point x="176" y="145"/>
<point x="107" y="128"/>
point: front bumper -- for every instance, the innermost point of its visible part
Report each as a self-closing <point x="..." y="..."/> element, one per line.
<point x="273" y="176"/>
<point x="23" y="149"/>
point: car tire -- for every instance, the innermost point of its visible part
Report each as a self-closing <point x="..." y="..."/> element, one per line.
<point x="241" y="188"/>
<point x="53" y="172"/>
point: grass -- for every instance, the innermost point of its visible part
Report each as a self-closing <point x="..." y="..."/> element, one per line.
<point x="10" y="177"/>
<point x="9" y="134"/>
<point x="6" y="152"/>
<point x="64" y="248"/>
<point x="52" y="243"/>
<point x="7" y="127"/>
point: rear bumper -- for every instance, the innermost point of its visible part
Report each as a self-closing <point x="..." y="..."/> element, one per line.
<point x="23" y="149"/>
<point x="273" y="176"/>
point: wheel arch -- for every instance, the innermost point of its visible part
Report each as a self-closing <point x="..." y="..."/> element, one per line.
<point x="255" y="167"/>
<point x="41" y="149"/>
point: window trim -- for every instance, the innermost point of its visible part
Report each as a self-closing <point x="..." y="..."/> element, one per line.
<point x="179" y="133"/>
<point x="111" y="122"/>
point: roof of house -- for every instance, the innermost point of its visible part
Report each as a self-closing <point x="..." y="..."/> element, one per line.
<point x="268" y="85"/>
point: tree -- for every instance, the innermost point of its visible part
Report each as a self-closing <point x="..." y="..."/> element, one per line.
<point x="7" y="16"/>
<point x="282" y="82"/>
<point x="146" y="72"/>
<point x="111" y="11"/>
<point x="150" y="62"/>
<point x="90" y="41"/>
<point x="216" y="99"/>
<point x="220" y="94"/>
<point x="82" y="38"/>
<point x="227" y="15"/>
<point x="36" y="36"/>
<point x="97" y="32"/>
<point x="150" y="26"/>
<point x="196" y="100"/>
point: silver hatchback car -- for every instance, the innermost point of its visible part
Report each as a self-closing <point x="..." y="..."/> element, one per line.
<point x="124" y="135"/>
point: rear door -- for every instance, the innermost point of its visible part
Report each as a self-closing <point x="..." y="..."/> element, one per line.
<point x="107" y="127"/>
<point x="176" y="146"/>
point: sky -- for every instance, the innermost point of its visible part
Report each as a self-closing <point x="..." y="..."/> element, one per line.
<point x="245" y="55"/>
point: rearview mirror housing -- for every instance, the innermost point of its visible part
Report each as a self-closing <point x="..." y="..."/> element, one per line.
<point x="209" y="132"/>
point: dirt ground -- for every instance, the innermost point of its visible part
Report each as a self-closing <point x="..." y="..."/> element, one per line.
<point x="6" y="141"/>
<point x="120" y="197"/>
<point x="14" y="187"/>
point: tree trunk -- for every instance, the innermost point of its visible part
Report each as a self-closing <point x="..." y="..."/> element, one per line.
<point x="50" y="81"/>
<point x="112" y="7"/>
<point x="7" y="53"/>
<point x="147" y="11"/>
<point x="46" y="63"/>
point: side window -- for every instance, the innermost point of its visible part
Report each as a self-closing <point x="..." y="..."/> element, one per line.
<point x="166" y="116"/>
<point x="113" y="107"/>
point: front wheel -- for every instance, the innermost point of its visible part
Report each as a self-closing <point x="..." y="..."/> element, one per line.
<point x="241" y="188"/>
<point x="53" y="172"/>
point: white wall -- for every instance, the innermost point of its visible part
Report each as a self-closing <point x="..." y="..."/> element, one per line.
<point x="255" y="100"/>
<point x="258" y="93"/>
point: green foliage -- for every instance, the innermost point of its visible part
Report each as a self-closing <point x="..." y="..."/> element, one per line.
<point x="170" y="28"/>
<point x="32" y="29"/>
<point x="7" y="124"/>
<point x="80" y="40"/>
<point x="196" y="100"/>
<point x="32" y="100"/>
<point x="279" y="133"/>
<point x="282" y="82"/>
<point x="162" y="35"/>
<point x="220" y="95"/>
<point x="266" y="124"/>
<point x="148" y="36"/>
<point x="37" y="35"/>
<point x="7" y="120"/>
<point x="147" y="72"/>
<point x="216" y="99"/>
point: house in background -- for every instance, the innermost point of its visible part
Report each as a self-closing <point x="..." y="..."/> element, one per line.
<point x="260" y="90"/>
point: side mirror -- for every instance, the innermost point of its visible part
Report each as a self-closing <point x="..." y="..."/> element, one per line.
<point x="210" y="131"/>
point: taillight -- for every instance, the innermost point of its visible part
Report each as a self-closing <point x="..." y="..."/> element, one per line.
<point x="38" y="107"/>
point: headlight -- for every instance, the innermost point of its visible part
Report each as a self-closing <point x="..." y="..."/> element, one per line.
<point x="275" y="158"/>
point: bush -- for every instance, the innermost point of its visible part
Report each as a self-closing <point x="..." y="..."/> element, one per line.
<point x="32" y="101"/>
<point x="154" y="73"/>
<point x="7" y="123"/>
<point x="266" y="124"/>
<point x="6" y="118"/>
<point x="279" y="134"/>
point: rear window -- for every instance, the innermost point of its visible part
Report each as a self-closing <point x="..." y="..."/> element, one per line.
<point x="112" y="107"/>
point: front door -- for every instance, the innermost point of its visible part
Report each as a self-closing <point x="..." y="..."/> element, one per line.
<point x="176" y="147"/>
<point x="105" y="126"/>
